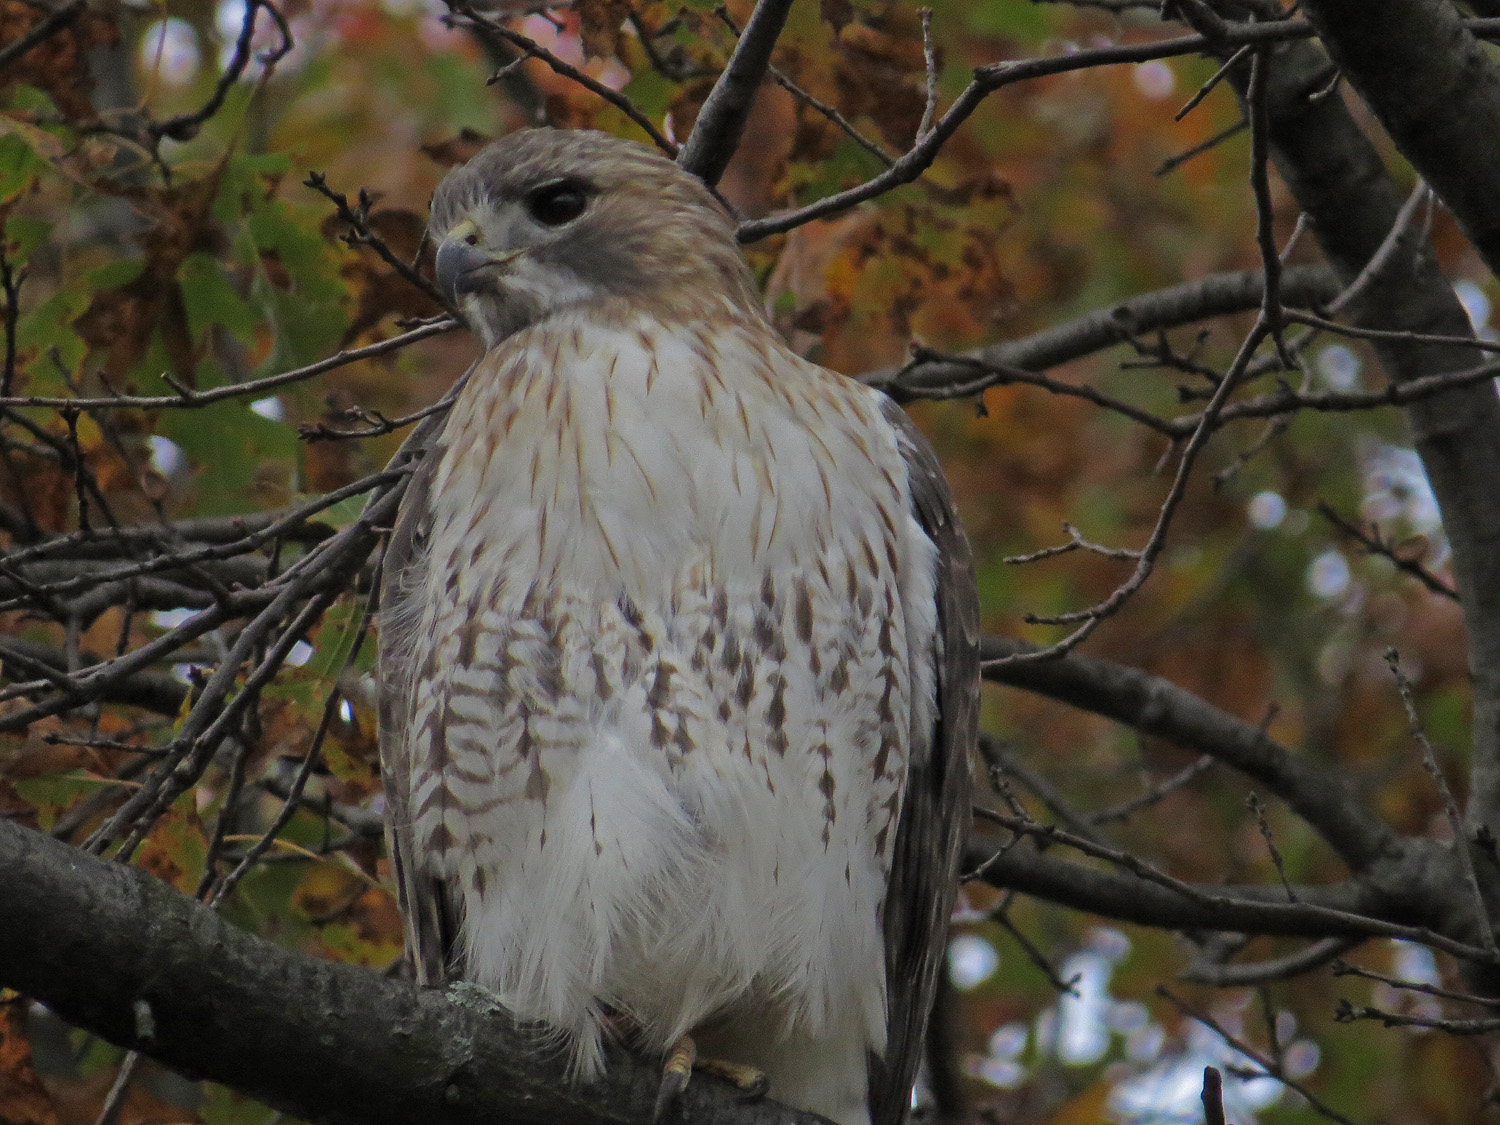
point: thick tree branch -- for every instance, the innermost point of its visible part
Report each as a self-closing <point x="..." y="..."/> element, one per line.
<point x="1219" y="294"/>
<point x="114" y="950"/>
<point x="1157" y="707"/>
<point x="1351" y="909"/>
<point x="155" y="691"/>
<point x="1427" y="79"/>
<point x="1436" y="92"/>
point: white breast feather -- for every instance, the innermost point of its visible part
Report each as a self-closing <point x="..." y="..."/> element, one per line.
<point x="670" y="674"/>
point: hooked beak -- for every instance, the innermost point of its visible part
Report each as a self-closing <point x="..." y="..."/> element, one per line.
<point x="462" y="261"/>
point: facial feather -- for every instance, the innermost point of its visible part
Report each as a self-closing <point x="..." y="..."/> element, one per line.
<point x="647" y="233"/>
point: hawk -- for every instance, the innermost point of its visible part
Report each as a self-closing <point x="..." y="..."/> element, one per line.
<point x="679" y="652"/>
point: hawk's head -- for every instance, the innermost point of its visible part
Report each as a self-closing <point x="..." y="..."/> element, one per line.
<point x="547" y="219"/>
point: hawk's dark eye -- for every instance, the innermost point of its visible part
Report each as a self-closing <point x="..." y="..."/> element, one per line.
<point x="554" y="204"/>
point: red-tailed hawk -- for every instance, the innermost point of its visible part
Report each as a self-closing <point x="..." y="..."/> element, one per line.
<point x="679" y="650"/>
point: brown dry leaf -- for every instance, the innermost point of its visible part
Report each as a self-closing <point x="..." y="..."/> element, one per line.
<point x="175" y="849"/>
<point x="879" y="74"/>
<point x="377" y="290"/>
<point x="687" y="103"/>
<point x="23" y="1098"/>
<point x="569" y="105"/>
<point x="839" y="13"/>
<point x="600" y="22"/>
<point x="59" y="63"/>
<point x="44" y="491"/>
<point x="121" y="321"/>
<point x="400" y="230"/>
<point x="456" y="150"/>
<point x="79" y="1102"/>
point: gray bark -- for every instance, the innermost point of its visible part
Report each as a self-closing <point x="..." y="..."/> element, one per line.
<point x="112" y="949"/>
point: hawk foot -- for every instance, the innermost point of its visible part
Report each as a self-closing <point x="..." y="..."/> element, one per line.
<point x="683" y="1059"/>
<point x="751" y="1082"/>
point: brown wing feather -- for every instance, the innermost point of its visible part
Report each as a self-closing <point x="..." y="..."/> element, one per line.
<point x="427" y="914"/>
<point x="935" y="809"/>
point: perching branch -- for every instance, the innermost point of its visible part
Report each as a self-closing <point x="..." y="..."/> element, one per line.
<point x="113" y="950"/>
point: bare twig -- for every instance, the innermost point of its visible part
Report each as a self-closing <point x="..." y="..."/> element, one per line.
<point x="1157" y="707"/>
<point x="1400" y="337"/>
<point x="1091" y="618"/>
<point x="1374" y="543"/>
<point x="376" y="423"/>
<point x="1345" y="1012"/>
<point x="535" y="50"/>
<point x="817" y="105"/>
<point x="1001" y="916"/>
<point x="10" y="285"/>
<point x="986" y="375"/>
<point x="1260" y="185"/>
<point x="1450" y="806"/>
<point x="1398" y="236"/>
<point x="1208" y="87"/>
<point x="1344" y="969"/>
<point x="1239" y="909"/>
<point x="1172" y="163"/>
<point x="1004" y="762"/>
<point x="1269" y="1065"/>
<point x="1025" y="826"/>
<point x="1305" y="960"/>
<point x="995" y="76"/>
<point x="184" y="127"/>
<point x="1125" y="809"/>
<point x="1218" y="294"/>
<point x="360" y="234"/>
<point x="1258" y="810"/>
<point x="1213" y="1096"/>
<point x="929" y="59"/>
<point x="254" y="387"/>
<point x="1077" y="543"/>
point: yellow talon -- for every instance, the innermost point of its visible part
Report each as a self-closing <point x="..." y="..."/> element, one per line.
<point x="675" y="1075"/>
<point x="683" y="1059"/>
<point x="749" y="1080"/>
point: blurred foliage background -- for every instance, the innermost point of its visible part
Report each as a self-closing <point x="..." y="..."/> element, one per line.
<point x="197" y="255"/>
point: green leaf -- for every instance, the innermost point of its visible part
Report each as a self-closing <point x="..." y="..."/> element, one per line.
<point x="52" y="795"/>
<point x="227" y="444"/>
<point x="223" y="1106"/>
<point x="115" y="274"/>
<point x="211" y="300"/>
<point x="19" y="166"/>
<point x="24" y="235"/>
<point x="336" y="638"/>
<point x="31" y="102"/>
<point x="244" y="182"/>
<point x="50" y="325"/>
<point x="342" y="514"/>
